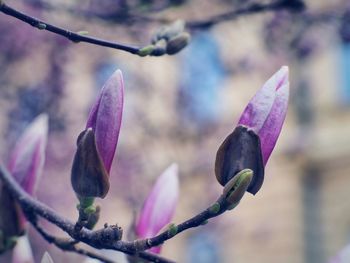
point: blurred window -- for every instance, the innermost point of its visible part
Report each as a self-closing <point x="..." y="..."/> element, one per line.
<point x="344" y="71"/>
<point x="201" y="74"/>
<point x="203" y="248"/>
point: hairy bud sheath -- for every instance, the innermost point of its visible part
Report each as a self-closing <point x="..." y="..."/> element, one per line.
<point x="89" y="176"/>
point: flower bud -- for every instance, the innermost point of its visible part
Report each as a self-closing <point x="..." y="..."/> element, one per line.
<point x="89" y="176"/>
<point x="237" y="186"/>
<point x="177" y="43"/>
<point x="240" y="150"/>
<point x="169" y="31"/>
<point x="159" y="207"/>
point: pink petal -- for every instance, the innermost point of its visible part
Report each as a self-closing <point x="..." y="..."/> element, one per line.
<point x="271" y="129"/>
<point x="105" y="117"/>
<point x="160" y="204"/>
<point x="22" y="252"/>
<point x="28" y="156"/>
<point x="259" y="107"/>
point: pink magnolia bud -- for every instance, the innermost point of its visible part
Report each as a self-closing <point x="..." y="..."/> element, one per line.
<point x="97" y="144"/>
<point x="105" y="117"/>
<point x="160" y="205"/>
<point x="25" y="164"/>
<point x="267" y="110"/>
<point x="27" y="159"/>
<point x="251" y="143"/>
<point x="22" y="252"/>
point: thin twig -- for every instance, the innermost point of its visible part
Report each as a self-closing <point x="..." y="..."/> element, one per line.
<point x="75" y="37"/>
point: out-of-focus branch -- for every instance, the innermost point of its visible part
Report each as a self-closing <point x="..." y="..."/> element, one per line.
<point x="255" y="8"/>
<point x="75" y="37"/>
<point x="68" y="245"/>
<point x="132" y="17"/>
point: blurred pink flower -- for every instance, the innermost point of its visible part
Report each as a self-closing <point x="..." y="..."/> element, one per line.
<point x="343" y="256"/>
<point x="22" y="252"/>
<point x="160" y="205"/>
<point x="105" y="117"/>
<point x="27" y="159"/>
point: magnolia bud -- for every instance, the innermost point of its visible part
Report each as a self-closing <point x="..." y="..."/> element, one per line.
<point x="145" y="51"/>
<point x="169" y="31"/>
<point x="237" y="186"/>
<point x="89" y="177"/>
<point x="160" y="48"/>
<point x="177" y="43"/>
<point x="240" y="150"/>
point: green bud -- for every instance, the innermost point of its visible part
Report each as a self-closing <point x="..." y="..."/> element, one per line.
<point x="237" y="186"/>
<point x="215" y="208"/>
<point x="145" y="51"/>
<point x="41" y="26"/>
<point x="83" y="33"/>
<point x="172" y="230"/>
<point x="160" y="48"/>
<point x="177" y="43"/>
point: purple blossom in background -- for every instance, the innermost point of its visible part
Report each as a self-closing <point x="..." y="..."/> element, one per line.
<point x="343" y="256"/>
<point x="105" y="117"/>
<point x="266" y="111"/>
<point x="27" y="159"/>
<point x="250" y="145"/>
<point x="160" y="205"/>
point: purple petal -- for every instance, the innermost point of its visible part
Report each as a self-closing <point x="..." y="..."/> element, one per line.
<point x="272" y="127"/>
<point x="105" y="117"/>
<point x="343" y="256"/>
<point x="259" y="107"/>
<point x="160" y="205"/>
<point x="22" y="252"/>
<point x="28" y="156"/>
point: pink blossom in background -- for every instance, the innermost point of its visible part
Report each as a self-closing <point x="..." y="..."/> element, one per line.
<point x="27" y="159"/>
<point x="22" y="252"/>
<point x="160" y="205"/>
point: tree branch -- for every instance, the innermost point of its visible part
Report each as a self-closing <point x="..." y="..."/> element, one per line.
<point x="75" y="37"/>
<point x="100" y="239"/>
<point x="68" y="245"/>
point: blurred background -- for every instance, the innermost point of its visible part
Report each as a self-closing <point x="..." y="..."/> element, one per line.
<point x="180" y="108"/>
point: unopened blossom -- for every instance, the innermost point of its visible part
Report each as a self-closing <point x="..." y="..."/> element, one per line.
<point x="160" y="205"/>
<point x="27" y="159"/>
<point x="251" y="143"/>
<point x="97" y="143"/>
<point x="25" y="164"/>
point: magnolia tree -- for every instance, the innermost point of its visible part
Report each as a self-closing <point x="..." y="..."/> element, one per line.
<point x="239" y="165"/>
